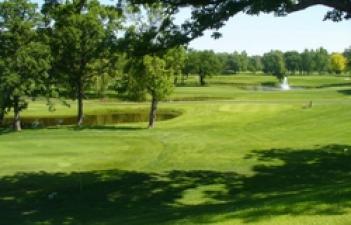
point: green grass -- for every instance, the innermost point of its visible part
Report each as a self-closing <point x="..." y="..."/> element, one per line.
<point x="259" y="79"/>
<point x="251" y="157"/>
<point x="241" y="87"/>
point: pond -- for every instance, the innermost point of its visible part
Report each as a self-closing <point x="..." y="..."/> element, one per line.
<point x="270" y="88"/>
<point x="94" y="119"/>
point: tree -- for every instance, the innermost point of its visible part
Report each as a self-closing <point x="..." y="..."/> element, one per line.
<point x="24" y="60"/>
<point x="234" y="62"/>
<point x="105" y="72"/>
<point x="158" y="83"/>
<point x="321" y="60"/>
<point x="237" y="62"/>
<point x="292" y="61"/>
<point x="255" y="64"/>
<point x="338" y="63"/>
<point x="175" y="61"/>
<point x="273" y="63"/>
<point x="308" y="61"/>
<point x="347" y="54"/>
<point x="208" y="64"/>
<point x="83" y="33"/>
<point x="129" y="86"/>
<point x="244" y="61"/>
<point x="101" y="80"/>
<point x="5" y="101"/>
<point x="223" y="58"/>
<point x="3" y="95"/>
<point x="152" y="75"/>
<point x="203" y="63"/>
<point x="3" y="105"/>
<point x="213" y="14"/>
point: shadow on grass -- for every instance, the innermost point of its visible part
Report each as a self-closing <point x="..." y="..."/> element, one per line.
<point x="345" y="92"/>
<point x="5" y="130"/>
<point x="286" y="182"/>
<point x="335" y="85"/>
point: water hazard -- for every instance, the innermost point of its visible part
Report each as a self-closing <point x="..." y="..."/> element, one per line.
<point x="94" y="119"/>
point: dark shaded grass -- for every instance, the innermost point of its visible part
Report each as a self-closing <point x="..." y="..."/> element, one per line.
<point x="286" y="181"/>
<point x="5" y="130"/>
<point x="345" y="92"/>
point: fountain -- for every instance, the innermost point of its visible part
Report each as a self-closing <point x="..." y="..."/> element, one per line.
<point x="285" y="85"/>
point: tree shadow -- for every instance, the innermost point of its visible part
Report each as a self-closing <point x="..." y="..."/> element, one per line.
<point x="304" y="181"/>
<point x="285" y="182"/>
<point x="335" y="85"/>
<point x="4" y="130"/>
<point x="345" y="92"/>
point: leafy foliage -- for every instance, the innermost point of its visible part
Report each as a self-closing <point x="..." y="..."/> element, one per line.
<point x="175" y="60"/>
<point x="255" y="64"/>
<point x="338" y="63"/>
<point x="213" y="14"/>
<point x="292" y="61"/>
<point x="203" y="63"/>
<point x="347" y="54"/>
<point x="308" y="64"/>
<point x="157" y="79"/>
<point x="274" y="64"/>
<point x="81" y="42"/>
<point x="24" y="60"/>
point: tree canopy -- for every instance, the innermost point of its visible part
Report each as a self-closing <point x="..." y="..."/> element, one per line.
<point x="338" y="63"/>
<point x="274" y="63"/>
<point x="80" y="40"/>
<point x="202" y="63"/>
<point x="347" y="54"/>
<point x="24" y="60"/>
<point x="213" y="14"/>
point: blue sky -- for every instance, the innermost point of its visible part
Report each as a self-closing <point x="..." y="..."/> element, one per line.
<point x="297" y="31"/>
<point x="259" y="34"/>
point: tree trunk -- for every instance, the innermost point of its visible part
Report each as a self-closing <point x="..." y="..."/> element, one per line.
<point x="202" y="79"/>
<point x="153" y="111"/>
<point x="80" y="96"/>
<point x="182" y="79"/>
<point x="2" y="115"/>
<point x="175" y="80"/>
<point x="17" y="117"/>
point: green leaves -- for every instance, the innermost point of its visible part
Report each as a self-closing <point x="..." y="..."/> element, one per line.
<point x="79" y="38"/>
<point x="157" y="79"/>
<point x="274" y="63"/>
<point x="213" y="14"/>
<point x="347" y="54"/>
<point x="338" y="63"/>
<point x="203" y="63"/>
<point x="24" y="60"/>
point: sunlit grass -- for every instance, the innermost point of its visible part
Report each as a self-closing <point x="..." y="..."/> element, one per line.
<point x="264" y="158"/>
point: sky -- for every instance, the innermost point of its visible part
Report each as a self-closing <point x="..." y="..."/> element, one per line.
<point x="297" y="31"/>
<point x="259" y="34"/>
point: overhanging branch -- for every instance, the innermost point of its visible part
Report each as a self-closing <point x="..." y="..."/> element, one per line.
<point x="341" y="5"/>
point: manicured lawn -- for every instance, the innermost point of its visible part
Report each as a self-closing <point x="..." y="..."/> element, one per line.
<point x="238" y="156"/>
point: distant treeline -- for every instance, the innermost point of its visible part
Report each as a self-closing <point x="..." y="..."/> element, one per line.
<point x="278" y="63"/>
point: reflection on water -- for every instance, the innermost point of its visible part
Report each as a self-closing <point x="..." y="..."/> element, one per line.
<point x="93" y="120"/>
<point x="269" y="88"/>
